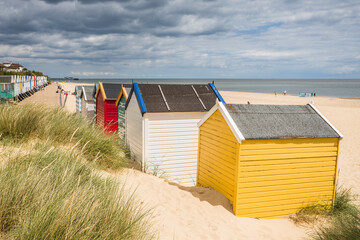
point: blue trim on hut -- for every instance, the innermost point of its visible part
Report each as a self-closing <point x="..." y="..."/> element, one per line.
<point x="141" y="102"/>
<point x="140" y="99"/>
<point x="212" y="85"/>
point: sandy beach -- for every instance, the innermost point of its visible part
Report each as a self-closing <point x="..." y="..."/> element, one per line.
<point x="202" y="213"/>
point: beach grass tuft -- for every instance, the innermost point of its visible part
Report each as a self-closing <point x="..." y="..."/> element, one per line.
<point x="54" y="194"/>
<point x="344" y="223"/>
<point x="23" y="123"/>
<point x="341" y="227"/>
<point x="51" y="186"/>
<point x="340" y="221"/>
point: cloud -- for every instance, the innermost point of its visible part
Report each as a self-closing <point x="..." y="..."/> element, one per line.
<point x="183" y="38"/>
<point x="91" y="74"/>
<point x="345" y="69"/>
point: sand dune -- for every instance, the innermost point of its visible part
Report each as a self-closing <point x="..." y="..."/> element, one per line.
<point x="202" y="213"/>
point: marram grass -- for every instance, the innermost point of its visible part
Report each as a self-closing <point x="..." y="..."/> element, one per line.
<point x="52" y="194"/>
<point x="23" y="123"/>
<point x="342" y="220"/>
<point x="345" y="219"/>
<point x="49" y="182"/>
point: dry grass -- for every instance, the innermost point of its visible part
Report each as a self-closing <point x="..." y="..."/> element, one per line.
<point x="49" y="186"/>
<point x="338" y="222"/>
<point x="23" y="123"/>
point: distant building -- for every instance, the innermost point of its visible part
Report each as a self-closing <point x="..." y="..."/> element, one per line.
<point x="7" y="64"/>
<point x="11" y="67"/>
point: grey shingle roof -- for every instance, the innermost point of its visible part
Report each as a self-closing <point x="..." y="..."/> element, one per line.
<point x="78" y="89"/>
<point x="179" y="97"/>
<point x="279" y="121"/>
<point x="88" y="90"/>
<point x="112" y="90"/>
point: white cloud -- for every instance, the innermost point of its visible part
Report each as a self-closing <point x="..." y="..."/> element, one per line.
<point x="92" y="74"/>
<point x="345" y="69"/>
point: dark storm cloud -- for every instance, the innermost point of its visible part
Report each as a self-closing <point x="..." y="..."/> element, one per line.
<point x="83" y="1"/>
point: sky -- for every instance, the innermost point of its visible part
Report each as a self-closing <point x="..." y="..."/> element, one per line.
<point x="183" y="38"/>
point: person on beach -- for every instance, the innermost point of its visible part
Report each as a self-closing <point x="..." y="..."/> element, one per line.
<point x="284" y="92"/>
<point x="275" y="94"/>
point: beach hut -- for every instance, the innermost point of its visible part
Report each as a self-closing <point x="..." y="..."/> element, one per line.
<point x="268" y="160"/>
<point x="77" y="93"/>
<point x="106" y="109"/>
<point x="6" y="87"/>
<point x="87" y="102"/>
<point x="161" y="127"/>
<point x="120" y="103"/>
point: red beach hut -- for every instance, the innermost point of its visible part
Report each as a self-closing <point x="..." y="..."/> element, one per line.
<point x="106" y="109"/>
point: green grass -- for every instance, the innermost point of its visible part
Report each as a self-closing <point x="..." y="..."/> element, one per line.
<point x="342" y="227"/>
<point x="50" y="183"/>
<point x="52" y="194"/>
<point x="344" y="223"/>
<point x="344" y="203"/>
<point x="23" y="123"/>
<point x="338" y="222"/>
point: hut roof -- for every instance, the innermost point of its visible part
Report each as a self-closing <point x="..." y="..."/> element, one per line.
<point x="15" y="66"/>
<point x="87" y="92"/>
<point x="175" y="97"/>
<point x="125" y="91"/>
<point x="110" y="90"/>
<point x="250" y="121"/>
<point x="78" y="89"/>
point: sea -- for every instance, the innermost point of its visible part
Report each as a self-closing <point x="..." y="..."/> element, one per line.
<point x="344" y="88"/>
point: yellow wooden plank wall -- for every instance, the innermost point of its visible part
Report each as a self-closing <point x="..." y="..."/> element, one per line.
<point x="217" y="156"/>
<point x="277" y="177"/>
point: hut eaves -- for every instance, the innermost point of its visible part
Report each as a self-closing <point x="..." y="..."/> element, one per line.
<point x="123" y="92"/>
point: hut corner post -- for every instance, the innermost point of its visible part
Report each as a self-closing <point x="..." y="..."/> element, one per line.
<point x="336" y="172"/>
<point x="236" y="180"/>
<point x="198" y="160"/>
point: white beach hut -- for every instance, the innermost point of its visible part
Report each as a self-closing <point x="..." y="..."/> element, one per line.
<point x="161" y="127"/>
<point x="87" y="102"/>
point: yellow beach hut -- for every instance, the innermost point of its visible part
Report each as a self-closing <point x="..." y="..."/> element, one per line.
<point x="268" y="160"/>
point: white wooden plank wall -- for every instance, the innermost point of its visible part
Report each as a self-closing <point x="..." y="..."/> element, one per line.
<point x="134" y="129"/>
<point x="172" y="146"/>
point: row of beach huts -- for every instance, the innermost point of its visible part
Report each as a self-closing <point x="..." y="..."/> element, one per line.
<point x="18" y="87"/>
<point x="268" y="160"/>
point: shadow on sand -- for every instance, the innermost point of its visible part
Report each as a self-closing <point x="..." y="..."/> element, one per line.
<point x="206" y="194"/>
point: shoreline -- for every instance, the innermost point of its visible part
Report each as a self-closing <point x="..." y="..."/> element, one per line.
<point x="232" y="91"/>
<point x="292" y="95"/>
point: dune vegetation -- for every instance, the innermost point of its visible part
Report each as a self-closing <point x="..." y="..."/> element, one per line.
<point x="344" y="219"/>
<point x="340" y="221"/>
<point x="51" y="186"/>
<point x="23" y="123"/>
